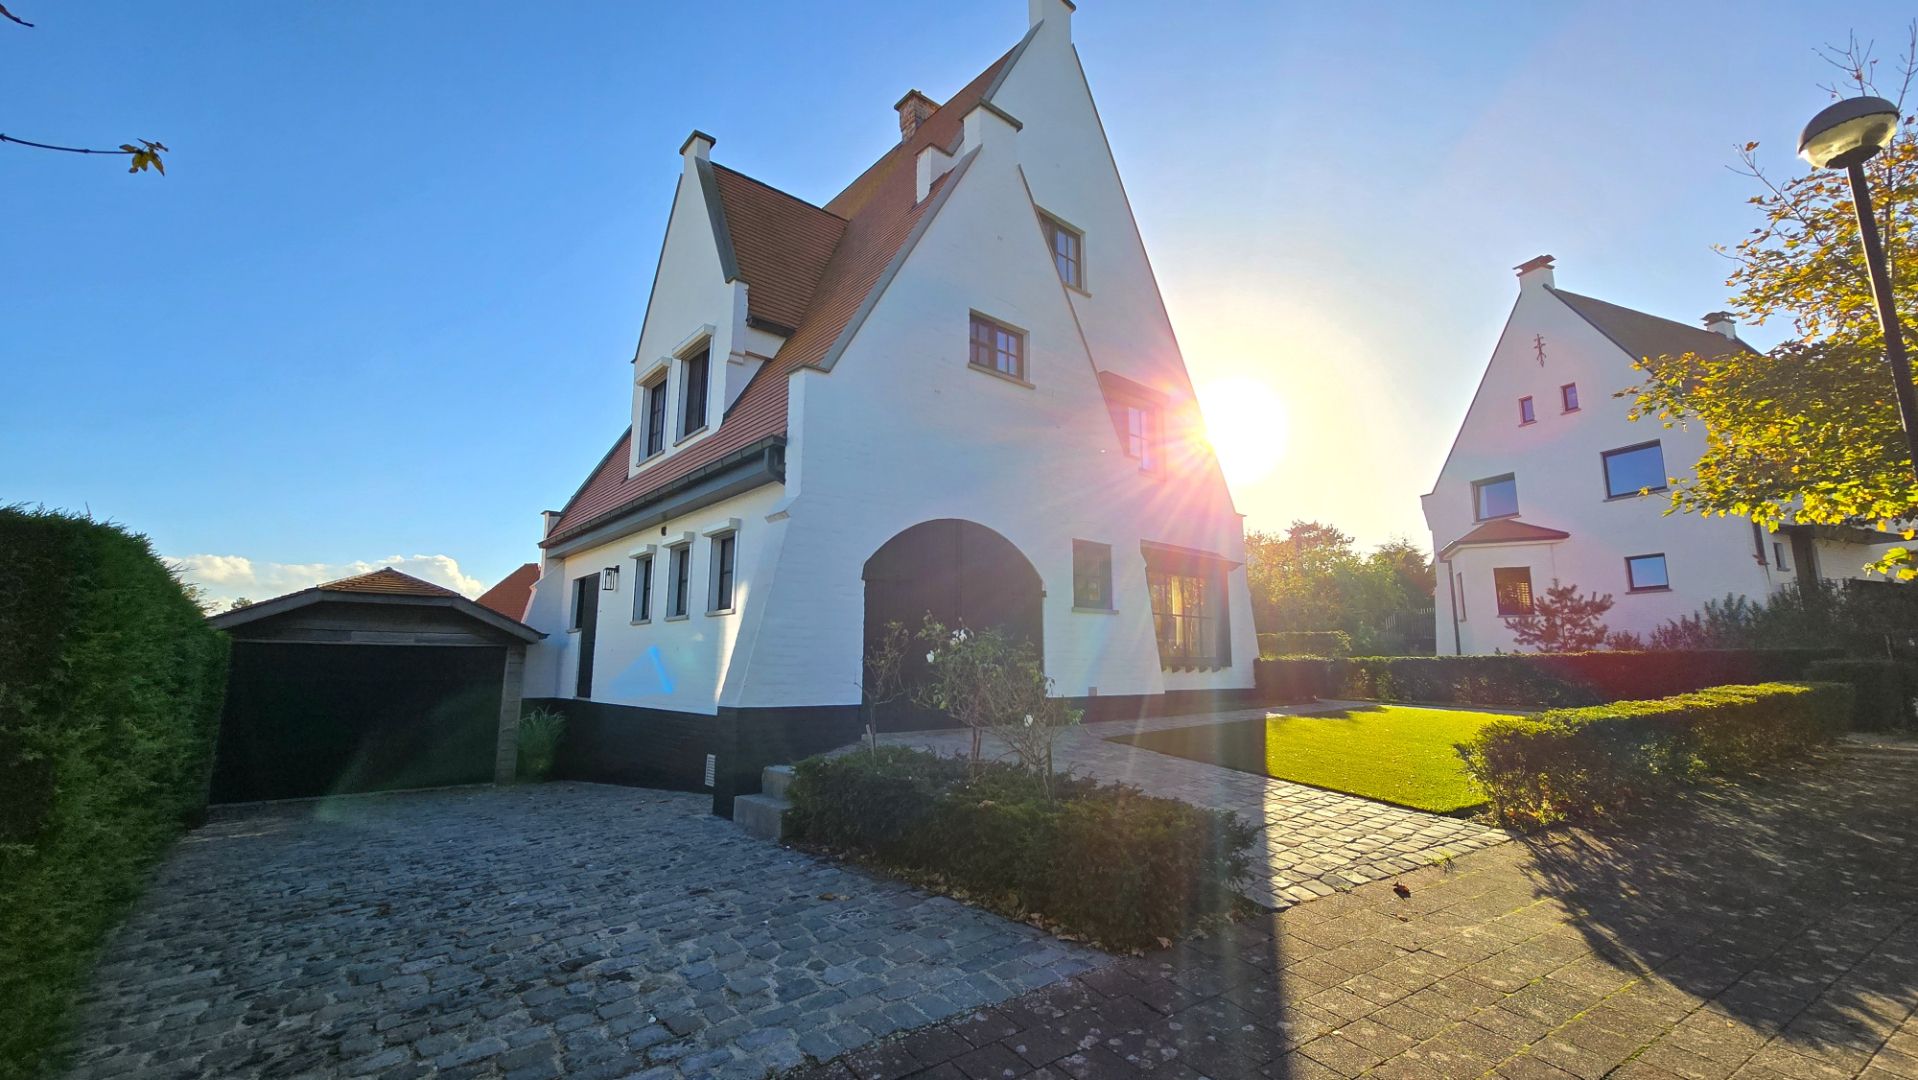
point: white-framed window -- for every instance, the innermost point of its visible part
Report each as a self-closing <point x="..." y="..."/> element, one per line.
<point x="679" y="571"/>
<point x="642" y="588"/>
<point x="695" y="373"/>
<point x="653" y="417"/>
<point x="725" y="557"/>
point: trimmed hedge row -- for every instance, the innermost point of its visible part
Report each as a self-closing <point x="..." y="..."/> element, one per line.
<point x="1589" y="763"/>
<point x="1884" y="691"/>
<point x="1123" y="868"/>
<point x="1305" y="643"/>
<point x="1553" y="680"/>
<point x="110" y="691"/>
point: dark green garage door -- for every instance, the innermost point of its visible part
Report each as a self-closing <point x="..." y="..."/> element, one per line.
<point x="305" y="720"/>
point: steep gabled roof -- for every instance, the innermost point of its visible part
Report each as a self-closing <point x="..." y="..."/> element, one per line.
<point x="1644" y="335"/>
<point x="1504" y="531"/>
<point x="786" y="238"/>
<point x="389" y="581"/>
<point x="513" y="592"/>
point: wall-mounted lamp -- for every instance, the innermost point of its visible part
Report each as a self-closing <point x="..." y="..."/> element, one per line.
<point x="609" y="579"/>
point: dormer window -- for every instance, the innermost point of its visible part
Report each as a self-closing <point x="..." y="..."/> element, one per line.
<point x="1067" y="245"/>
<point x="692" y="393"/>
<point x="654" y="417"/>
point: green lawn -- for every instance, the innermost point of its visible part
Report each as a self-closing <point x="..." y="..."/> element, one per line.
<point x="1393" y="753"/>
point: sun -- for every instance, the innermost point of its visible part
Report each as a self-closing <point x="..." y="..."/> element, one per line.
<point x="1246" y="424"/>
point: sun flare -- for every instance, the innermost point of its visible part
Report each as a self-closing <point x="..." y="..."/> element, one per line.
<point x="1246" y="424"/>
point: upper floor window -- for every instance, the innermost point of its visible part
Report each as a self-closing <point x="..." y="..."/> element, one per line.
<point x="679" y="565"/>
<point x="998" y="347"/>
<point x="1568" y="396"/>
<point x="642" y="588"/>
<point x="1513" y="585"/>
<point x="725" y="545"/>
<point x="692" y="394"/>
<point x="1634" y="470"/>
<point x="1091" y="575"/>
<point x="655" y="433"/>
<point x="1067" y="245"/>
<point x="1646" y="573"/>
<point x="1142" y="436"/>
<point x="1495" y="498"/>
<point x="1526" y="414"/>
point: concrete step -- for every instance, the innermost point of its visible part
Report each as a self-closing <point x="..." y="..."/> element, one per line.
<point x="775" y="779"/>
<point x="763" y="816"/>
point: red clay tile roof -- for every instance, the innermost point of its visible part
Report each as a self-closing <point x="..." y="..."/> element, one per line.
<point x="513" y="593"/>
<point x="388" y="581"/>
<point x="1504" y="531"/>
<point x="781" y="243"/>
<point x="879" y="213"/>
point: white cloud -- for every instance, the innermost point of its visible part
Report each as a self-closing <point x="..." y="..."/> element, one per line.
<point x="226" y="577"/>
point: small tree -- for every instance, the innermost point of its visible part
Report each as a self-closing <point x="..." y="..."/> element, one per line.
<point x="1563" y="621"/>
<point x="990" y="681"/>
<point x="885" y="680"/>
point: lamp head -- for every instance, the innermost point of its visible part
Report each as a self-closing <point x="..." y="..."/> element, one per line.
<point x="1848" y="132"/>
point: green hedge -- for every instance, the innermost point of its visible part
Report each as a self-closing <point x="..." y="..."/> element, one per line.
<point x="1289" y="679"/>
<point x="1561" y="679"/>
<point x="1884" y="691"/>
<point x="1586" y="764"/>
<point x="1122" y="868"/>
<point x="110" y="692"/>
<point x="1305" y="643"/>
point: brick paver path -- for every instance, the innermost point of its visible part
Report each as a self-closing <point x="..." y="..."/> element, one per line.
<point x="566" y="929"/>
<point x="1311" y="842"/>
<point x="1763" y="933"/>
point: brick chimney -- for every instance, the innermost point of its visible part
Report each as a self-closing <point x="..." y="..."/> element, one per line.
<point x="914" y="108"/>
<point x="1722" y="323"/>
<point x="1535" y="273"/>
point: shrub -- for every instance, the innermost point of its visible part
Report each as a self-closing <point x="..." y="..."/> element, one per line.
<point x="1305" y="643"/>
<point x="1883" y="691"/>
<point x="1288" y="679"/>
<point x="540" y="730"/>
<point x="110" y="691"/>
<point x="1586" y="764"/>
<point x="1560" y="679"/>
<point x="1563" y="621"/>
<point x="1120" y="867"/>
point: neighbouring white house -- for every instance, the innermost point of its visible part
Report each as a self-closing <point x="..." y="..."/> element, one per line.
<point x="1549" y="480"/>
<point x="952" y="389"/>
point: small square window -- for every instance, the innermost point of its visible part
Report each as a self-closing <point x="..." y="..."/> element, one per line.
<point x="1526" y="414"/>
<point x="1091" y="575"/>
<point x="1067" y="245"/>
<point x="998" y="347"/>
<point x="1568" y="396"/>
<point x="1514" y="587"/>
<point x="1495" y="498"/>
<point x="1634" y="470"/>
<point x="724" y="547"/>
<point x="1646" y="573"/>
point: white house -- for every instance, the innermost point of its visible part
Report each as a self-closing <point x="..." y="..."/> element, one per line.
<point x="1548" y="480"/>
<point x="952" y="389"/>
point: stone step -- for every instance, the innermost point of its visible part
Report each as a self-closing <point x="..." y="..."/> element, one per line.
<point x="775" y="779"/>
<point x="763" y="816"/>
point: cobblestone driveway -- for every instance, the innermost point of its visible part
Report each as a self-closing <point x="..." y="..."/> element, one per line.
<point x="566" y="929"/>
<point x="1311" y="842"/>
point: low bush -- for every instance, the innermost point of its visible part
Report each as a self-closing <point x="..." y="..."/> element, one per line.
<point x="1883" y="691"/>
<point x="1585" y="764"/>
<point x="1305" y="643"/>
<point x="1561" y="679"/>
<point x="110" y="691"/>
<point x="1121" y="868"/>
<point x="540" y="730"/>
<point x="1288" y="679"/>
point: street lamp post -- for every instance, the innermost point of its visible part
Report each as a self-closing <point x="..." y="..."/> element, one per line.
<point x="1845" y="136"/>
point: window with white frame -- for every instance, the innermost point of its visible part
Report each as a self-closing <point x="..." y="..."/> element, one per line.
<point x="725" y="549"/>
<point x="695" y="370"/>
<point x="653" y="417"/>
<point x="679" y="568"/>
<point x="642" y="588"/>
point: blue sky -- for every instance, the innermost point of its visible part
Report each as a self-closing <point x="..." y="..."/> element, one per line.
<point x="383" y="301"/>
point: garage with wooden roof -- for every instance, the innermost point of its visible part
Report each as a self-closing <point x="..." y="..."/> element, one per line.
<point x="377" y="682"/>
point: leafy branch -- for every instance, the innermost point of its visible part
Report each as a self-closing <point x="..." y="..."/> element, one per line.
<point x="146" y="155"/>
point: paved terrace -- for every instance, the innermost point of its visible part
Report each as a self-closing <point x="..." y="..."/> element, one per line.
<point x="1311" y="842"/>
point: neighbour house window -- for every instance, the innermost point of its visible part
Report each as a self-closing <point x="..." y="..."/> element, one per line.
<point x="692" y="413"/>
<point x="1778" y="554"/>
<point x="642" y="588"/>
<point x="1142" y="436"/>
<point x="1758" y="543"/>
<point x="1646" y="573"/>
<point x="997" y="347"/>
<point x="1066" y="244"/>
<point x="655" y="417"/>
<point x="724" y="546"/>
<point x="1091" y="575"/>
<point x="679" y="565"/>
<point x="1526" y="414"/>
<point x="1634" y="470"/>
<point x="1514" y="587"/>
<point x="582" y="596"/>
<point x="1568" y="395"/>
<point x="1496" y="497"/>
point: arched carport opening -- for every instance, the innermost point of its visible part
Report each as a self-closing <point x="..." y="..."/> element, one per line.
<point x="960" y="573"/>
